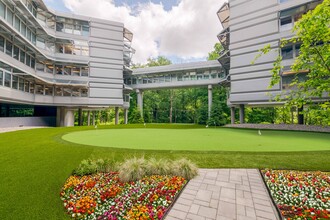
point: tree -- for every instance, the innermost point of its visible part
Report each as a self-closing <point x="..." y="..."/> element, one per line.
<point x="135" y="117"/>
<point x="313" y="32"/>
<point x="214" y="55"/>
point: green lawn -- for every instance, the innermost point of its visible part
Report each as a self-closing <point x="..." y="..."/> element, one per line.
<point x="203" y="139"/>
<point x="35" y="163"/>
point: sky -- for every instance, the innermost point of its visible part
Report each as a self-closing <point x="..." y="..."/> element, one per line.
<point x="181" y="30"/>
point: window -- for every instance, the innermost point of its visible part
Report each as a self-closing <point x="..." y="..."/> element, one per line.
<point x="286" y="23"/>
<point x="7" y="79"/>
<point x="16" y="53"/>
<point x="68" y="49"/>
<point x="297" y="49"/>
<point x="67" y="70"/>
<point x="23" y="29"/>
<point x="15" y="82"/>
<point x="41" y="43"/>
<point x="59" y="69"/>
<point x="22" y="57"/>
<point x="84" y="92"/>
<point x="10" y="16"/>
<point x="287" y="52"/>
<point x="50" y="68"/>
<point x="2" y="9"/>
<point x="9" y="48"/>
<point x="21" y="84"/>
<point x="26" y="86"/>
<point x="84" y="71"/>
<point x="28" y="60"/>
<point x="68" y="28"/>
<point x="33" y="38"/>
<point x="33" y="63"/>
<point x="59" y="26"/>
<point x="75" y="71"/>
<point x="1" y="78"/>
<point x="48" y="90"/>
<point x="66" y="92"/>
<point x="58" y="91"/>
<point x="2" y="43"/>
<point x="85" y="31"/>
<point x="40" y="66"/>
<point x="17" y="24"/>
<point x="77" y="29"/>
<point x="28" y="34"/>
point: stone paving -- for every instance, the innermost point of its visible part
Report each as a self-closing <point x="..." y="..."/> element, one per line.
<point x="10" y="129"/>
<point x="224" y="194"/>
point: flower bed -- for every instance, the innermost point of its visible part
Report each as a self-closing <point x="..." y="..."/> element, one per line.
<point x="103" y="196"/>
<point x="300" y="195"/>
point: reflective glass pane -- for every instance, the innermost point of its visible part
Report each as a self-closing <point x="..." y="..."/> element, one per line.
<point x="2" y="9"/>
<point x="17" y="23"/>
<point x="16" y="53"/>
<point x="9" y="48"/>
<point x="15" y="82"/>
<point x="7" y="79"/>
<point x="1" y="78"/>
<point x="22" y="57"/>
<point x="10" y="16"/>
<point x="2" y="43"/>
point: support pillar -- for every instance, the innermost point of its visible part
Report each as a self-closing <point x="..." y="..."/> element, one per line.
<point x="241" y="114"/>
<point x="125" y="116"/>
<point x="93" y="118"/>
<point x="210" y="100"/>
<point x="80" y="117"/>
<point x="232" y="115"/>
<point x="139" y="94"/>
<point x="300" y="115"/>
<point x="68" y="118"/>
<point x="88" y="118"/>
<point x="59" y="117"/>
<point x="116" y="115"/>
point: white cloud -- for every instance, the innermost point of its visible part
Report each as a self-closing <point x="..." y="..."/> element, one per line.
<point x="187" y="31"/>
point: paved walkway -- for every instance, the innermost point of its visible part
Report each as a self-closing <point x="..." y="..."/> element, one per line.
<point x="3" y="130"/>
<point x="224" y="194"/>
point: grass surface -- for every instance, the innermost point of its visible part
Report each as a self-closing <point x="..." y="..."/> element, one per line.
<point x="221" y="139"/>
<point x="35" y="163"/>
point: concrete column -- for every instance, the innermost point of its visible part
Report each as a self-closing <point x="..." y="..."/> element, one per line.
<point x="241" y="114"/>
<point x="80" y="117"/>
<point x="89" y="118"/>
<point x="93" y="118"/>
<point x="116" y="115"/>
<point x="232" y="115"/>
<point x="68" y="118"/>
<point x="210" y="100"/>
<point x="125" y="116"/>
<point x="60" y="117"/>
<point x="139" y="94"/>
<point x="300" y="115"/>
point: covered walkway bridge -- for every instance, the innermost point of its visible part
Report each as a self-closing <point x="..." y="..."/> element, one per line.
<point x="197" y="74"/>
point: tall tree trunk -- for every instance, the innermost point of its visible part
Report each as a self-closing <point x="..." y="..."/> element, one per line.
<point x="171" y="105"/>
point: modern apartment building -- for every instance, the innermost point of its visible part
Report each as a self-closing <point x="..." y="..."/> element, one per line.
<point x="249" y="25"/>
<point x="52" y="64"/>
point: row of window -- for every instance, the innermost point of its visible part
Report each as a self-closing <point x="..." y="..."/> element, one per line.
<point x="18" y="53"/>
<point x="80" y="48"/>
<point x="62" y="69"/>
<point x="290" y="51"/>
<point x="213" y="74"/>
<point x="11" y="81"/>
<point x="61" y="24"/>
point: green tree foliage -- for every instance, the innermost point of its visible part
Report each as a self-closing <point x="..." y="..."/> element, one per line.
<point x="135" y="117"/>
<point x="313" y="32"/>
<point x="214" y="55"/>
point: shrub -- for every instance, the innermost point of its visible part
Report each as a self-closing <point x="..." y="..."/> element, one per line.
<point x="158" y="167"/>
<point x="86" y="167"/>
<point x="184" y="168"/>
<point x="132" y="169"/>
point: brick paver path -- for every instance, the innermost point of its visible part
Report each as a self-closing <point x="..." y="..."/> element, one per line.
<point x="224" y="194"/>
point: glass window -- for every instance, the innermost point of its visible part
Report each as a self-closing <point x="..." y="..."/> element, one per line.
<point x="59" y="69"/>
<point x="77" y="29"/>
<point x="287" y="52"/>
<point x="40" y="66"/>
<point x="68" y="49"/>
<point x="59" y="26"/>
<point x="58" y="91"/>
<point x="50" y="46"/>
<point x="286" y="23"/>
<point x="28" y="34"/>
<point x="59" y="48"/>
<point x="26" y="86"/>
<point x="15" y="82"/>
<point x="84" y="93"/>
<point x="48" y="90"/>
<point x="41" y="43"/>
<point x="39" y="89"/>
<point x="85" y="30"/>
<point x="67" y="70"/>
<point x="1" y="76"/>
<point x="22" y="57"/>
<point x="23" y="29"/>
<point x="10" y="16"/>
<point x="33" y="63"/>
<point x="66" y="92"/>
<point x="2" y="43"/>
<point x="84" y="71"/>
<point x="50" y="68"/>
<point x="28" y="60"/>
<point x="84" y="51"/>
<point x="75" y="92"/>
<point x="17" y="23"/>
<point x="34" y="38"/>
<point x="2" y="9"/>
<point x="75" y="71"/>
<point x="21" y="84"/>
<point x="68" y="28"/>
<point x="297" y="49"/>
<point x="31" y="88"/>
<point x="16" y="53"/>
<point x="7" y="79"/>
<point x="9" y="48"/>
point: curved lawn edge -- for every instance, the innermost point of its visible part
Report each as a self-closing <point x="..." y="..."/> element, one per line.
<point x="201" y="140"/>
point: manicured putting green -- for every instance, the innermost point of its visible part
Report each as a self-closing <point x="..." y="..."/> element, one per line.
<point x="206" y="139"/>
